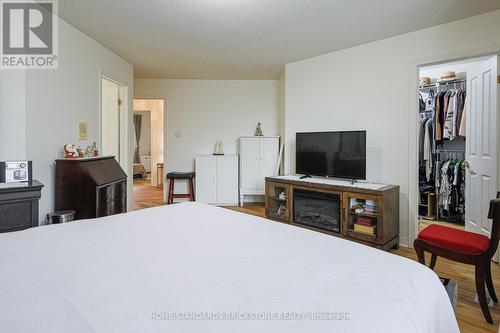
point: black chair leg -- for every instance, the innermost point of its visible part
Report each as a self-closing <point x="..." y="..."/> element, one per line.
<point x="420" y="252"/>
<point x="191" y="189"/>
<point x="481" y="292"/>
<point x="170" y="191"/>
<point x="489" y="283"/>
<point x="433" y="261"/>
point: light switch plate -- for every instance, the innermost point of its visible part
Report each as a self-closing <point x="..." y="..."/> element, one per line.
<point x="177" y="134"/>
<point x="82" y="130"/>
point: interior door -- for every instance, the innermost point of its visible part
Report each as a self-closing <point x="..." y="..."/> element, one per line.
<point x="269" y="149"/>
<point x="249" y="163"/>
<point x="206" y="173"/>
<point x="227" y="180"/>
<point x="481" y="145"/>
<point x="110" y="119"/>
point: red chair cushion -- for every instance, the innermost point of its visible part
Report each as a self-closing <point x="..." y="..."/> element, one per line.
<point x="455" y="239"/>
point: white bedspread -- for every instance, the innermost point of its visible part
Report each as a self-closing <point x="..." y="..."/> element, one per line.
<point x="115" y="274"/>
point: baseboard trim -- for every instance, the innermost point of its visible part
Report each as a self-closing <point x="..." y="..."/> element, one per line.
<point x="403" y="241"/>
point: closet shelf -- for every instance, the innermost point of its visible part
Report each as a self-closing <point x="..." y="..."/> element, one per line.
<point x="442" y="84"/>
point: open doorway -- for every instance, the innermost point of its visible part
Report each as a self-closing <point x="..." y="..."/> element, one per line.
<point x="458" y="143"/>
<point x="148" y="152"/>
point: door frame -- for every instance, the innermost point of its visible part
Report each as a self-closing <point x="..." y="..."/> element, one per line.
<point x="415" y="67"/>
<point x="165" y="139"/>
<point x="125" y="123"/>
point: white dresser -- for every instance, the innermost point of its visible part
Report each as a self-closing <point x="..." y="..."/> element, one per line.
<point x="217" y="179"/>
<point x="259" y="159"/>
<point x="146" y="162"/>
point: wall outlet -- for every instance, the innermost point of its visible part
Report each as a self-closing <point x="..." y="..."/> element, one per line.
<point x="177" y="134"/>
<point x="82" y="130"/>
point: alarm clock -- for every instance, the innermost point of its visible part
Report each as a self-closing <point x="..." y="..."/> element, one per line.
<point x="15" y="171"/>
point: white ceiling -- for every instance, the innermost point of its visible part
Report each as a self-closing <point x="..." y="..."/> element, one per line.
<point x="248" y="39"/>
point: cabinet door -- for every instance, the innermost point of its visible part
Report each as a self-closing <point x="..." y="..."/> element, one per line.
<point x="206" y="171"/>
<point x="227" y="180"/>
<point x="268" y="158"/>
<point x="249" y="151"/>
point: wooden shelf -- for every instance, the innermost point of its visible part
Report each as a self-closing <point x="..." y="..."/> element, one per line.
<point x="277" y="217"/>
<point x="374" y="215"/>
<point x="362" y="233"/>
<point x="427" y="206"/>
<point x="277" y="199"/>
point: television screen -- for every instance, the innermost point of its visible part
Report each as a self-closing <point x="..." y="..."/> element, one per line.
<point x="332" y="154"/>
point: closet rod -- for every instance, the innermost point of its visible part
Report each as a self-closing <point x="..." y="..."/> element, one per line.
<point x="451" y="151"/>
<point x="435" y="85"/>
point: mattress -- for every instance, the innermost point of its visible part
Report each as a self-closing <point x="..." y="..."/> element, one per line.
<point x="192" y="267"/>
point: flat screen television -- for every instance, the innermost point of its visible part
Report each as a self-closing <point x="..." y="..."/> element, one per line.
<point x="331" y="154"/>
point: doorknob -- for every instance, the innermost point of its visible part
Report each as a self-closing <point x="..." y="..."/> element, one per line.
<point x="466" y="164"/>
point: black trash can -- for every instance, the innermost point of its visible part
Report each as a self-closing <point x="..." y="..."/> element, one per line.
<point x="61" y="216"/>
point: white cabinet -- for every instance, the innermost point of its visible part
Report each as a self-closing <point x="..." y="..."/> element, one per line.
<point x="259" y="159"/>
<point x="146" y="162"/>
<point x="217" y="179"/>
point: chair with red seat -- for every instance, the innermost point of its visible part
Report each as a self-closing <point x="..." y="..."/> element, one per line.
<point x="465" y="247"/>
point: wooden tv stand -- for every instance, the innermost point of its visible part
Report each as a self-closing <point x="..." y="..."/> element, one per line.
<point x="362" y="206"/>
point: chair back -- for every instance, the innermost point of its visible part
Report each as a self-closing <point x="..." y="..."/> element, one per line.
<point x="494" y="214"/>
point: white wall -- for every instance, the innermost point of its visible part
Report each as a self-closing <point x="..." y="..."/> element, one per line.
<point x="12" y="115"/>
<point x="145" y="139"/>
<point x="371" y="87"/>
<point x="57" y="99"/>
<point x="204" y="111"/>
<point x="282" y="112"/>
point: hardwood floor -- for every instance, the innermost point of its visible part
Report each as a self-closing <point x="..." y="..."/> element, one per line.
<point x="423" y="223"/>
<point x="146" y="195"/>
<point x="469" y="315"/>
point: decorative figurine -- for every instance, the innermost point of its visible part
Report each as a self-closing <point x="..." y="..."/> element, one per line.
<point x="95" y="152"/>
<point x="88" y="151"/>
<point x="71" y="151"/>
<point x="219" y="148"/>
<point x="258" y="130"/>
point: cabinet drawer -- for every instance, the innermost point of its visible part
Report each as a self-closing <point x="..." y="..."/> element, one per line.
<point x="15" y="215"/>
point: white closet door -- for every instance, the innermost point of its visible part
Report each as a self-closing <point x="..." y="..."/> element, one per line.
<point x="206" y="175"/>
<point x="269" y="150"/>
<point x="227" y="180"/>
<point x="481" y="146"/>
<point x="249" y="163"/>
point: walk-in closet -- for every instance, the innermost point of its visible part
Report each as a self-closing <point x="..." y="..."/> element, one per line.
<point x="444" y="127"/>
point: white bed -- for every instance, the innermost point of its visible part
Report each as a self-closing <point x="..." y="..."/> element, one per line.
<point x="115" y="274"/>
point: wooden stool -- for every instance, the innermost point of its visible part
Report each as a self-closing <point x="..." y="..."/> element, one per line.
<point x="180" y="175"/>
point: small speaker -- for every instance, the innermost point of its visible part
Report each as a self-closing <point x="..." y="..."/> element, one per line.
<point x="16" y="171"/>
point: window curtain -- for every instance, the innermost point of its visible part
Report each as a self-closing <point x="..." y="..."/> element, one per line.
<point x="137" y="128"/>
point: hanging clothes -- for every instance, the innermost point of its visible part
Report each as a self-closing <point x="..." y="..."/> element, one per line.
<point x="460" y="111"/>
<point x="463" y="118"/>
<point x="437" y="117"/>
<point x="449" y="129"/>
<point x="428" y="134"/>
<point x="443" y="120"/>
<point x="449" y="114"/>
<point x="450" y="184"/>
